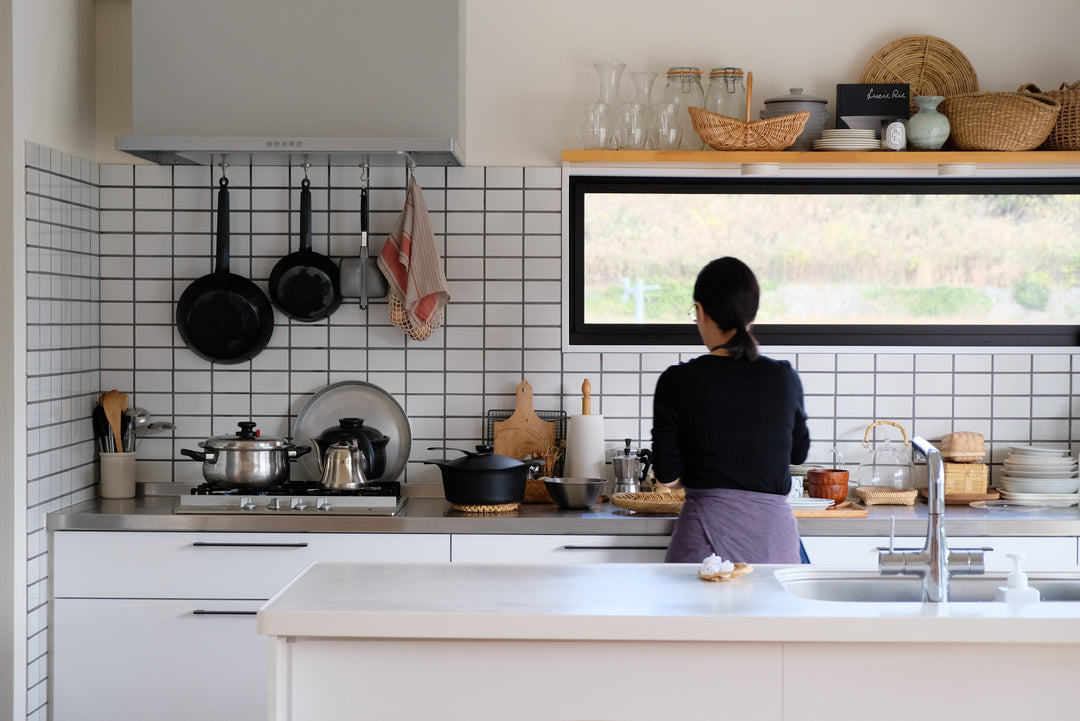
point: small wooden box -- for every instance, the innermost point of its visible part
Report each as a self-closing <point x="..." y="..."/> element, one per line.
<point x="966" y="477"/>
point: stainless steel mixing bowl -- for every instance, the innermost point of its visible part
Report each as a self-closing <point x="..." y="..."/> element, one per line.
<point x="571" y="493"/>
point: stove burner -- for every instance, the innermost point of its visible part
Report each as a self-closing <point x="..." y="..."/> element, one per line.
<point x="303" y="488"/>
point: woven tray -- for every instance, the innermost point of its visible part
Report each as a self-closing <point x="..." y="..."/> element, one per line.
<point x="886" y="496"/>
<point x="928" y="64"/>
<point x="650" y="502"/>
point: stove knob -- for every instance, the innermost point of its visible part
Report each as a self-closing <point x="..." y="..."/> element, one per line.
<point x="323" y="504"/>
<point x="298" y="504"/>
<point x="246" y="504"/>
<point x="274" y="504"/>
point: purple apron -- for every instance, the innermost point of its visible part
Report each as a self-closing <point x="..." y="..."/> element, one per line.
<point x="739" y="526"/>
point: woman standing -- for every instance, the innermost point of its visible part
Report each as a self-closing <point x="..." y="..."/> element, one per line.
<point x="726" y="427"/>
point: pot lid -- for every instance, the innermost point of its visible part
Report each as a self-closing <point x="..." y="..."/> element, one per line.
<point x="247" y="438"/>
<point x="483" y="459"/>
<point x="796" y="96"/>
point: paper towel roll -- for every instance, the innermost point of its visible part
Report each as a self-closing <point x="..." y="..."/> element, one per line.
<point x="585" y="447"/>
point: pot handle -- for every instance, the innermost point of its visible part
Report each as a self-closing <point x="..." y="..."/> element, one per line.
<point x="444" y="448"/>
<point x="297" y="451"/>
<point x="198" y="455"/>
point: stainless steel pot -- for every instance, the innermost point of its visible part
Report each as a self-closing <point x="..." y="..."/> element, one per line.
<point x="246" y="459"/>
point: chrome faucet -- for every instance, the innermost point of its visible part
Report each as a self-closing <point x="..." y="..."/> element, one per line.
<point x="934" y="562"/>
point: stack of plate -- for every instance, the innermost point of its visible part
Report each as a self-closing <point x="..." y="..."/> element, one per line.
<point x="848" y="139"/>
<point x="809" y="504"/>
<point x="1036" y="475"/>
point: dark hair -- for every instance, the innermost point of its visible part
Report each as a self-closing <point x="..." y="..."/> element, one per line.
<point x="728" y="292"/>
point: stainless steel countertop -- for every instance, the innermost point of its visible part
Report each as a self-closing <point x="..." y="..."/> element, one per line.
<point x="435" y="515"/>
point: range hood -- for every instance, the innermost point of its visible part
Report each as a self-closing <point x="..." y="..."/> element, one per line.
<point x="292" y="151"/>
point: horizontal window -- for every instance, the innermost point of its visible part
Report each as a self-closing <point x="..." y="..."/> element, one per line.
<point x="840" y="261"/>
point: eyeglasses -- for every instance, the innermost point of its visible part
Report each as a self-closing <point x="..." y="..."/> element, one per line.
<point x="692" y="313"/>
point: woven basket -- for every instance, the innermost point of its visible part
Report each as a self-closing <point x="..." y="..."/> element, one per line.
<point x="871" y="496"/>
<point x="928" y="64"/>
<point x="999" y="121"/>
<point x="966" y="477"/>
<point x="723" y="133"/>
<point x="1065" y="135"/>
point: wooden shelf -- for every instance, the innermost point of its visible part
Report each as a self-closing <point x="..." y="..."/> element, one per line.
<point x="711" y="157"/>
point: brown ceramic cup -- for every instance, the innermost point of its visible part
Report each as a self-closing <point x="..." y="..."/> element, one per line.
<point x="828" y="483"/>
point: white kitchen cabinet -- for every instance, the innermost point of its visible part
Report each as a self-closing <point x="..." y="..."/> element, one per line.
<point x="557" y="549"/>
<point x="162" y="625"/>
<point x="1058" y="553"/>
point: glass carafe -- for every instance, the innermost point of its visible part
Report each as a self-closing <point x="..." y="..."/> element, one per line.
<point x="683" y="90"/>
<point x="643" y="85"/>
<point x="727" y="93"/>
<point x="598" y="119"/>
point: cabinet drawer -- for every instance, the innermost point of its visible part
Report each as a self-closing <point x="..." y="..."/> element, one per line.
<point x="95" y="564"/>
<point x="137" y="659"/>
<point x="558" y="549"/>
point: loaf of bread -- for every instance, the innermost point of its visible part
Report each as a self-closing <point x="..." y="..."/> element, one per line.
<point x="963" y="447"/>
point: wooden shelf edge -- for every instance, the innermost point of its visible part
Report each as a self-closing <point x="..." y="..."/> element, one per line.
<point x="1054" y="157"/>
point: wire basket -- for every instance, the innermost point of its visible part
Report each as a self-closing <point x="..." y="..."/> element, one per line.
<point x="999" y="120"/>
<point x="556" y="417"/>
<point x="1065" y="135"/>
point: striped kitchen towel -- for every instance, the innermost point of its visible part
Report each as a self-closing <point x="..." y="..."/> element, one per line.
<point x="413" y="269"/>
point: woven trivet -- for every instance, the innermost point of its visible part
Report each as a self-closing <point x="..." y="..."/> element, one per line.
<point x="493" y="508"/>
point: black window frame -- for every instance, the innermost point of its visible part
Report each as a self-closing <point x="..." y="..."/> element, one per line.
<point x="581" y="333"/>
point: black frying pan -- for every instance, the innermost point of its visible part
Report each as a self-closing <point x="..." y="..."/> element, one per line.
<point x="306" y="285"/>
<point x="224" y="317"/>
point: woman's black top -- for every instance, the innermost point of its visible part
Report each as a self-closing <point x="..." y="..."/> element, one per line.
<point x="725" y="423"/>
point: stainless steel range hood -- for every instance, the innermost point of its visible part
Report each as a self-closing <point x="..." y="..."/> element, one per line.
<point x="292" y="151"/>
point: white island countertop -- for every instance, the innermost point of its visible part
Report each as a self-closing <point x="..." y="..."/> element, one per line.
<point x="642" y="602"/>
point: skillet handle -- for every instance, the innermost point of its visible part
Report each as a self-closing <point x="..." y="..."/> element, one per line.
<point x="222" y="265"/>
<point x="305" y="216"/>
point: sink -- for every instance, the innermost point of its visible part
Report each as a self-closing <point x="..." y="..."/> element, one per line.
<point x="872" y="587"/>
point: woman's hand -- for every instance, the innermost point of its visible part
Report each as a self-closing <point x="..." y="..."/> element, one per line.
<point x="673" y="486"/>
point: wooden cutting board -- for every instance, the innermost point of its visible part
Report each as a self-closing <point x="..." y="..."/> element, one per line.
<point x="524" y="432"/>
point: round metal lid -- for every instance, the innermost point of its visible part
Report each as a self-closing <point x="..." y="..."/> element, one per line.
<point x="796" y="96"/>
<point x="247" y="438"/>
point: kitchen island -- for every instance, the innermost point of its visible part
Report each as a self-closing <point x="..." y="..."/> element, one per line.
<point x="630" y="642"/>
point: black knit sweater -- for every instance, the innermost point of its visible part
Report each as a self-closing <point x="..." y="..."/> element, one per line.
<point x="725" y="423"/>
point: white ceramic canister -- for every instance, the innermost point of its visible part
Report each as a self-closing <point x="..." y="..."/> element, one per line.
<point x="796" y="102"/>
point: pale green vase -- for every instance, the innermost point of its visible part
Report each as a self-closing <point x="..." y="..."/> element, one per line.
<point x="927" y="129"/>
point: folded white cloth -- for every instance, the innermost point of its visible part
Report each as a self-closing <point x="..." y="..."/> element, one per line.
<point x="714" y="565"/>
<point x="413" y="269"/>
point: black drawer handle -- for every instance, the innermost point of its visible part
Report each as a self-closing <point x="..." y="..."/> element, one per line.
<point x="208" y="544"/>
<point x="614" y="548"/>
<point x="204" y="612"/>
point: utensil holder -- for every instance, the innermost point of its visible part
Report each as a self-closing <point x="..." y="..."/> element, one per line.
<point x="116" y="474"/>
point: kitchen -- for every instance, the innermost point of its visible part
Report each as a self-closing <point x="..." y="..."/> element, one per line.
<point x="508" y="315"/>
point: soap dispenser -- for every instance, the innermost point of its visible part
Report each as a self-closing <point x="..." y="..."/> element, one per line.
<point x="1017" y="589"/>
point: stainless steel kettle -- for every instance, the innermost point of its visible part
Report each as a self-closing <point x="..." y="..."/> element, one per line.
<point x="341" y="465"/>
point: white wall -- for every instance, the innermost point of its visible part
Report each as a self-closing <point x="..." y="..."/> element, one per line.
<point x="530" y="64"/>
<point x="51" y="100"/>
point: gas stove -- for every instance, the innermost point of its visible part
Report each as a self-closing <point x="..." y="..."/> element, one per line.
<point x="383" y="498"/>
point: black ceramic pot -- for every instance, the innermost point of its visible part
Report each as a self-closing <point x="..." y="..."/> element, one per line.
<point x="482" y="478"/>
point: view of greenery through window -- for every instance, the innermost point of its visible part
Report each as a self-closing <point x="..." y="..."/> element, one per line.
<point x="839" y="258"/>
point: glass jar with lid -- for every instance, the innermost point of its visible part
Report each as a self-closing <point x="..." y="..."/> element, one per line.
<point x="727" y="93"/>
<point x="683" y="90"/>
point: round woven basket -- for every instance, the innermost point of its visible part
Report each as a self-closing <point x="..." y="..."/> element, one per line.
<point x="999" y="121"/>
<point x="928" y="64"/>
<point x="1065" y="135"/>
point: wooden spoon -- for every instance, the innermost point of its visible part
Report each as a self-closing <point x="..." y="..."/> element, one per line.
<point x="749" y="92"/>
<point x="114" y="403"/>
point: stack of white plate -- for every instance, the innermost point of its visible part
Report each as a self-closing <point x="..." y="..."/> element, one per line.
<point x="848" y="139"/>
<point x="1038" y="475"/>
<point x="809" y="504"/>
